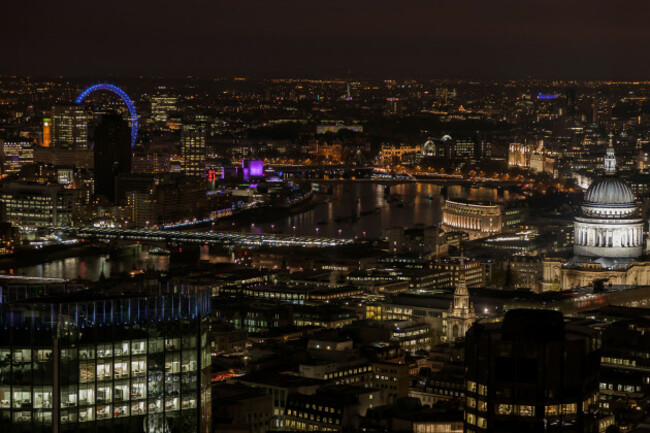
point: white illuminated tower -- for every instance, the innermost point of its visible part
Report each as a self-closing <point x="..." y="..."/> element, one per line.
<point x="461" y="315"/>
<point x="609" y="226"/>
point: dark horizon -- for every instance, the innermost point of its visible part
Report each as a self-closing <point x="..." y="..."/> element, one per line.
<point x="502" y="39"/>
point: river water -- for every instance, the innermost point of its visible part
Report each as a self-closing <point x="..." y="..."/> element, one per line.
<point x="413" y="203"/>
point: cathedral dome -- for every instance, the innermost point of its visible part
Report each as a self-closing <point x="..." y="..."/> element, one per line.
<point x="609" y="227"/>
<point x="609" y="190"/>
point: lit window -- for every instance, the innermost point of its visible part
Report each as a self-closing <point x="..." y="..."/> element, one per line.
<point x="569" y="409"/>
<point x="551" y="410"/>
<point x="525" y="410"/>
<point x="504" y="409"/>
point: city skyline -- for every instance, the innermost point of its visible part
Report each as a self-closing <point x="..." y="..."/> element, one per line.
<point x="308" y="216"/>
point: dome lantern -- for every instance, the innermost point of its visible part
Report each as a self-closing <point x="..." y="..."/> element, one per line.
<point x="610" y="158"/>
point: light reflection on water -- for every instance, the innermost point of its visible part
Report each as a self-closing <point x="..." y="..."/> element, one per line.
<point x="421" y="205"/>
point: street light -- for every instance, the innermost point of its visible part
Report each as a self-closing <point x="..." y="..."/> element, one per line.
<point x="294" y="231"/>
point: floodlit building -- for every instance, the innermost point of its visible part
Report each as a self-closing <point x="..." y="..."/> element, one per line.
<point x="461" y="315"/>
<point x="519" y="155"/>
<point x="390" y="152"/>
<point x="481" y="219"/>
<point x="608" y="239"/>
<point x="609" y="225"/>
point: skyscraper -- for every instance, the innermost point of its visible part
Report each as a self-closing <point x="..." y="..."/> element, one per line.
<point x="531" y="372"/>
<point x="193" y="150"/>
<point x="122" y="365"/>
<point x="112" y="153"/>
<point x="69" y="127"/>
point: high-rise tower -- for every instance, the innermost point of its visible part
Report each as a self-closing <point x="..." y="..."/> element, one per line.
<point x="112" y="153"/>
<point x="193" y="150"/>
<point x="531" y="372"/>
<point x="69" y="127"/>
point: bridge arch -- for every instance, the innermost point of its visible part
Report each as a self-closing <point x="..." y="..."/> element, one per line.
<point x="122" y="94"/>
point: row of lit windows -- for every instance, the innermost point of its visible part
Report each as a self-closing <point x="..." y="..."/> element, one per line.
<point x="618" y="387"/>
<point x="524" y="410"/>
<point x="618" y="361"/>
<point x="313" y="417"/>
<point x="411" y="333"/>
<point x="88" y="396"/>
<point x="307" y="406"/>
<point x="298" y="425"/>
<point x="348" y="372"/>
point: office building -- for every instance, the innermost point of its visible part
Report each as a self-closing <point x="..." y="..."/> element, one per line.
<point x="69" y="127"/>
<point x="162" y="106"/>
<point x="15" y="155"/>
<point x="146" y="162"/>
<point x="75" y="360"/>
<point x="531" y="372"/>
<point x="35" y="205"/>
<point x="112" y="154"/>
<point x="193" y="150"/>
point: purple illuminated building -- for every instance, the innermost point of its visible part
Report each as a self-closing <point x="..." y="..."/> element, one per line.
<point x="252" y="169"/>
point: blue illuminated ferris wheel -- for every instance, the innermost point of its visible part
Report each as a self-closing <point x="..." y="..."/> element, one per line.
<point x="122" y="94"/>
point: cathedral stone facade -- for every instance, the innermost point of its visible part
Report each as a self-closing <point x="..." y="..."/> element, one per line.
<point x="608" y="238"/>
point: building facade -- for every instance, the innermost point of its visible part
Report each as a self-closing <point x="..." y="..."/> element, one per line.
<point x="531" y="372"/>
<point x="112" y="154"/>
<point x="461" y="313"/>
<point x="193" y="150"/>
<point x="608" y="239"/>
<point x="476" y="219"/>
<point x="69" y="127"/>
<point x="609" y="225"/>
<point x="82" y="362"/>
<point x="16" y="154"/>
<point x="34" y="205"/>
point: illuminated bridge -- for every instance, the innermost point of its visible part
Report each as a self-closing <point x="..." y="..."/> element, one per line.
<point x="225" y="238"/>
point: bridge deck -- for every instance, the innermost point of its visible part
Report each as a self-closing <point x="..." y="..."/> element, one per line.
<point x="221" y="237"/>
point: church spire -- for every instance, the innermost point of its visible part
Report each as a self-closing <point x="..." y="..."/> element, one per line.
<point x="461" y="286"/>
<point x="461" y="313"/>
<point x="610" y="158"/>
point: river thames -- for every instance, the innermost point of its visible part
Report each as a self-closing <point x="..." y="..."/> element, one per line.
<point x="354" y="209"/>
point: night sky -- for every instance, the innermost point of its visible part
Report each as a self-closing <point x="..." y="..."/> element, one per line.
<point x="398" y="38"/>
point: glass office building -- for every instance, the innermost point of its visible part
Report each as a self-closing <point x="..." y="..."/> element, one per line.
<point x="86" y="362"/>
